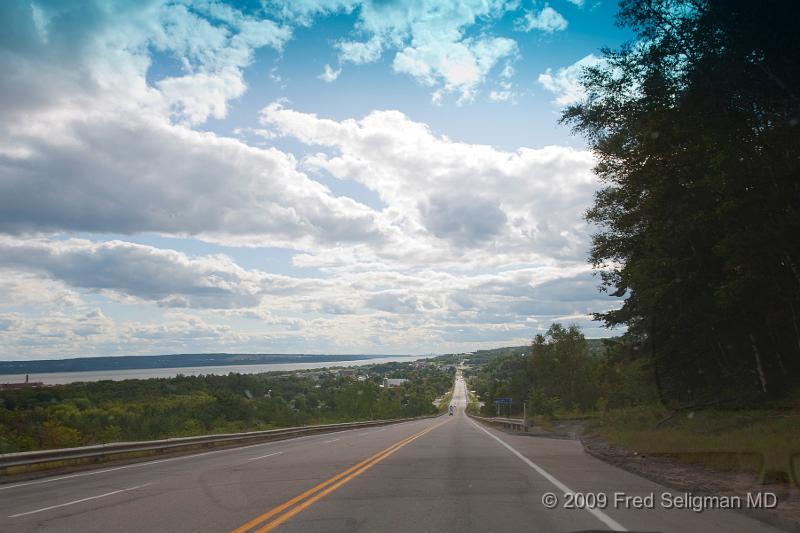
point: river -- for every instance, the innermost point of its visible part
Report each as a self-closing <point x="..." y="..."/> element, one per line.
<point x="59" y="378"/>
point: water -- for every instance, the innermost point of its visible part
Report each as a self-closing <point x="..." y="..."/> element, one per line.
<point x="60" y="378"/>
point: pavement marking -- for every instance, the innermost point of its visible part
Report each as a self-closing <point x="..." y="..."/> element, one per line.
<point x="182" y="457"/>
<point x="147" y="463"/>
<point x="264" y="456"/>
<point x="363" y="434"/>
<point x="321" y="490"/>
<point x="600" y="515"/>
<point x="329" y="441"/>
<point x="81" y="500"/>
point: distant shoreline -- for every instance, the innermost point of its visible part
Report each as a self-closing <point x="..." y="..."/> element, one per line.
<point x="140" y="362"/>
<point x="118" y="374"/>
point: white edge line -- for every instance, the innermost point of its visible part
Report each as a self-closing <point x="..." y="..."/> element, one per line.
<point x="134" y="465"/>
<point x="80" y="501"/>
<point x="600" y="515"/>
<point x="264" y="456"/>
<point x="148" y="463"/>
<point x="332" y="440"/>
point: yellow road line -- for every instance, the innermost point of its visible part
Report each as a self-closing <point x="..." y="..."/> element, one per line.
<point x="289" y="514"/>
<point x="319" y="491"/>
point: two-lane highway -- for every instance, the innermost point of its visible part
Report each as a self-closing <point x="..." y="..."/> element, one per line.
<point x="442" y="474"/>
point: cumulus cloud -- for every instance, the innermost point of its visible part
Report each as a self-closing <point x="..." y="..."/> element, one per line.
<point x="110" y="175"/>
<point x="329" y="74"/>
<point x="547" y="20"/>
<point x="521" y="205"/>
<point x="360" y="52"/>
<point x="20" y="289"/>
<point x="66" y="55"/>
<point x="470" y="245"/>
<point x="86" y="144"/>
<point x="91" y="332"/>
<point x="409" y="308"/>
<point x="429" y="37"/>
<point x="166" y="277"/>
<point x="565" y="82"/>
<point x="460" y="66"/>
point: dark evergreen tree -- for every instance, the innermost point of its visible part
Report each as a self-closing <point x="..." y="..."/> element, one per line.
<point x="695" y="127"/>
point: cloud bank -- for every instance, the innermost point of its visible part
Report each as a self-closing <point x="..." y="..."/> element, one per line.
<point x="468" y="245"/>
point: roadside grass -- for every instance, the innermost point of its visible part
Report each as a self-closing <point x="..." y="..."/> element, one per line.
<point x="444" y="401"/>
<point x="473" y="405"/>
<point x="542" y="422"/>
<point x="763" y="442"/>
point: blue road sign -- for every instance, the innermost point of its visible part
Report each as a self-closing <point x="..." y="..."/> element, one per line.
<point x="502" y="400"/>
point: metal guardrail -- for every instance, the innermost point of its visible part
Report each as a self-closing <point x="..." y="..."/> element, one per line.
<point x="510" y="423"/>
<point x="38" y="460"/>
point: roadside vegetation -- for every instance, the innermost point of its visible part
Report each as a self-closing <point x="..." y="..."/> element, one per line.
<point x="614" y="393"/>
<point x="444" y="402"/>
<point x="108" y="411"/>
<point x="694" y="127"/>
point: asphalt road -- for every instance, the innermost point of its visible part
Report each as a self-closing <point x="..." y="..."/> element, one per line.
<point x="443" y="474"/>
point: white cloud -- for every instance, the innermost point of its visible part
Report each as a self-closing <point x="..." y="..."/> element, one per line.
<point x="360" y="52"/>
<point x="565" y="82"/>
<point x="547" y="20"/>
<point x="578" y="3"/>
<point x="165" y="277"/>
<point x="409" y="309"/>
<point x="193" y="98"/>
<point x="329" y="74"/>
<point x="92" y="332"/>
<point x="466" y="249"/>
<point x="123" y="174"/>
<point x="510" y="206"/>
<point x="26" y="289"/>
<point x="460" y="66"/>
<point x="500" y="96"/>
<point x="97" y="55"/>
<point x="429" y="37"/>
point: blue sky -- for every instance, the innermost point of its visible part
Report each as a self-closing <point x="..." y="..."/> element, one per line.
<point x="331" y="176"/>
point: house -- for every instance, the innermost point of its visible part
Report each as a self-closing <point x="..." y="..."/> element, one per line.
<point x="393" y="382"/>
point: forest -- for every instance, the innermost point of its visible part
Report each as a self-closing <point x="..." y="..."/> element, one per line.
<point x="564" y="372"/>
<point x="109" y="411"/>
<point x="695" y="130"/>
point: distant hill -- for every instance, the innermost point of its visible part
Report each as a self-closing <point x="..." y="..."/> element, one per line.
<point x="134" y="362"/>
<point x="482" y="356"/>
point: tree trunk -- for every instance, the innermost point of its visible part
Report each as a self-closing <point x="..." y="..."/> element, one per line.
<point x="759" y="366"/>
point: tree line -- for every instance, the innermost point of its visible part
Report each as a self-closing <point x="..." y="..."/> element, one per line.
<point x="696" y="130"/>
<point x="560" y="372"/>
<point x="107" y="411"/>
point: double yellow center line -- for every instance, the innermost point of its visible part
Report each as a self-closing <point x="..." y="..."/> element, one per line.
<point x="283" y="512"/>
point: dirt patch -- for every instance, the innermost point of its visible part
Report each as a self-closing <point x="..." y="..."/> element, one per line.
<point x="695" y="478"/>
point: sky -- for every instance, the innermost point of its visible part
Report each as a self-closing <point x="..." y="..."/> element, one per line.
<point x="300" y="176"/>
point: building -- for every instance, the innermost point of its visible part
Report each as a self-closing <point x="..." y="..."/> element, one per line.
<point x="394" y="382"/>
<point x="25" y="385"/>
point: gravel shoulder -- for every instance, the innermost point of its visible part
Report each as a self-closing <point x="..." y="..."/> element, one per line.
<point x="682" y="476"/>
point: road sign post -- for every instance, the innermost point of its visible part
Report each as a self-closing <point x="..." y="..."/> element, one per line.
<point x="524" y="416"/>
<point x="503" y="401"/>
